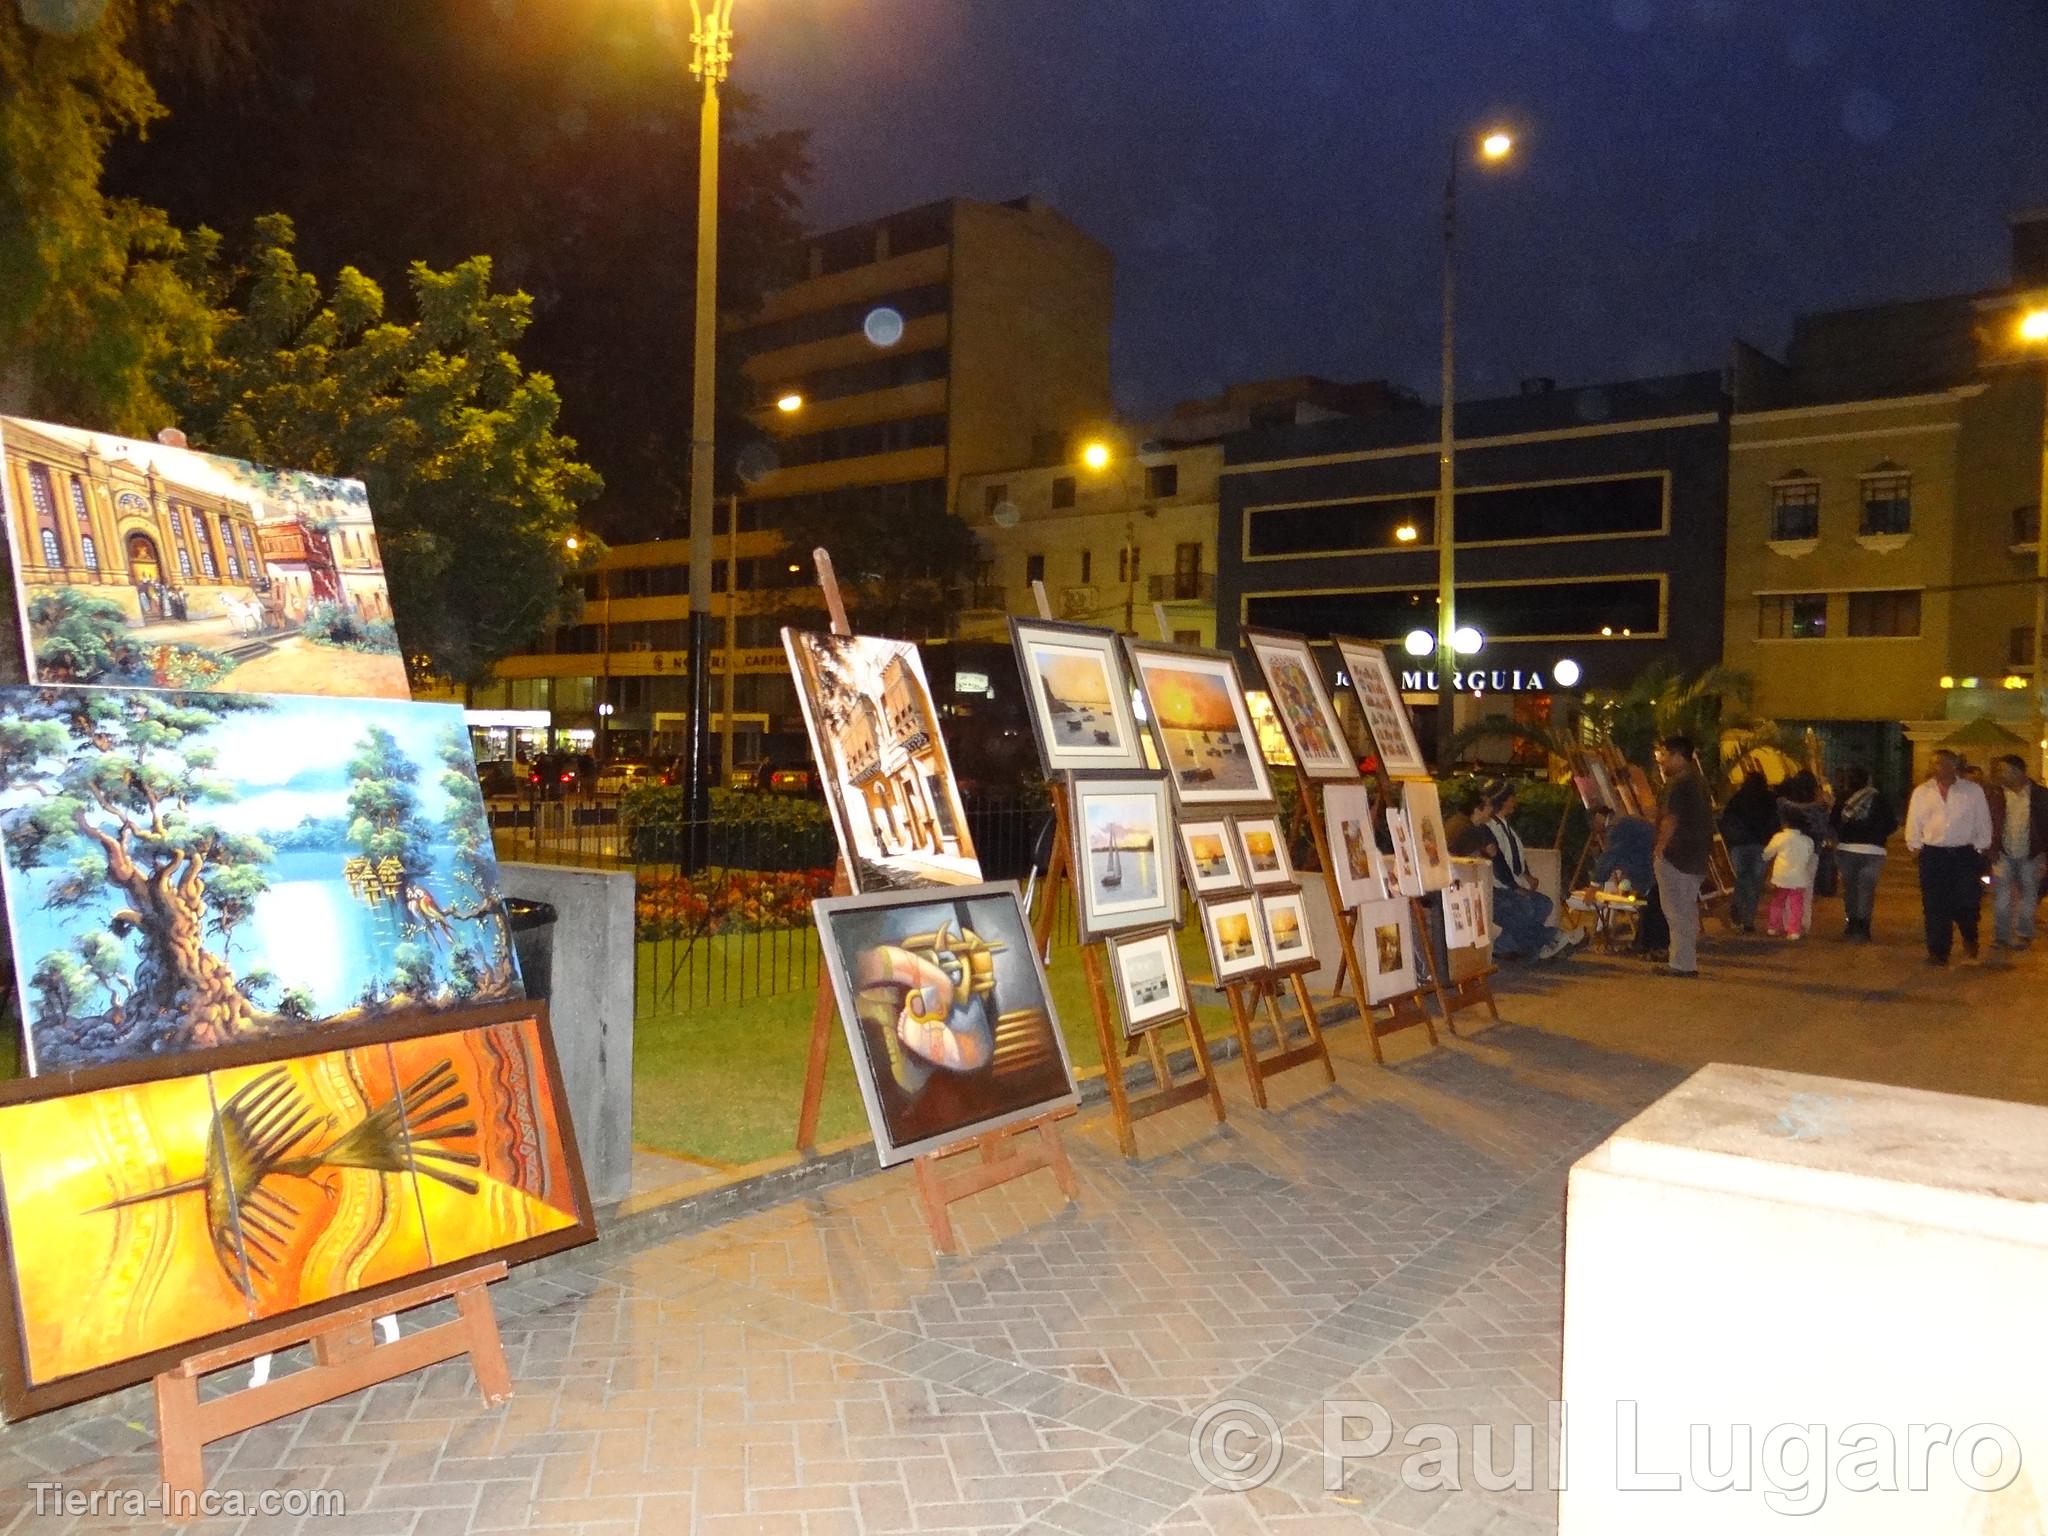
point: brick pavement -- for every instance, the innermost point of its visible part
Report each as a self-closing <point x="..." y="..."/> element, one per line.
<point x="814" y="1369"/>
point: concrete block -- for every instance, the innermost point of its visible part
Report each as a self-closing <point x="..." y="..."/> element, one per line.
<point x="1808" y="1302"/>
<point x="591" y="1006"/>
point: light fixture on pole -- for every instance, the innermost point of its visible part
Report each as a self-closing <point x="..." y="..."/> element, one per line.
<point x="710" y="60"/>
<point x="2033" y="332"/>
<point x="1420" y="642"/>
<point x="1493" y="147"/>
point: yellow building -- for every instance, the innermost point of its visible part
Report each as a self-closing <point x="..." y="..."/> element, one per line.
<point x="1882" y="521"/>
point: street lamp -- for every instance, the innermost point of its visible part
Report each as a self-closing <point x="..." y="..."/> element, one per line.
<point x="789" y="404"/>
<point x="2033" y="331"/>
<point x="1494" y="147"/>
<point x="710" y="59"/>
<point x="1098" y="456"/>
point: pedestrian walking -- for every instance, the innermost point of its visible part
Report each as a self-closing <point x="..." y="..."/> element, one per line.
<point x="1948" y="825"/>
<point x="1793" y="862"/>
<point x="1864" y="822"/>
<point x="2019" y="852"/>
<point x="1748" y="821"/>
<point x="1685" y="834"/>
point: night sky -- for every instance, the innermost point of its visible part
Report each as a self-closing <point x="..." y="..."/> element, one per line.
<point x="1269" y="172"/>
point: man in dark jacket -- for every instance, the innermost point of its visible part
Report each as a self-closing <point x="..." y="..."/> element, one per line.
<point x="1863" y="822"/>
<point x="2019" y="851"/>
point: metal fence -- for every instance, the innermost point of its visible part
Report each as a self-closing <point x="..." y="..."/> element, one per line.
<point x="722" y="908"/>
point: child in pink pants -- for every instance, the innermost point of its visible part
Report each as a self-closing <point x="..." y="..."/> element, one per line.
<point x="1793" y="860"/>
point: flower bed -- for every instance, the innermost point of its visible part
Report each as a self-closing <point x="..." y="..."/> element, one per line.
<point x="715" y="902"/>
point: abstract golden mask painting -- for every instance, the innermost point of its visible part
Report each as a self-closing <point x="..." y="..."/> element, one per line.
<point x="147" y="1215"/>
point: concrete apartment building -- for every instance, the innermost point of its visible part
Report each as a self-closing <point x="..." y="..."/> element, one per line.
<point x="1883" y="510"/>
<point x="924" y="346"/>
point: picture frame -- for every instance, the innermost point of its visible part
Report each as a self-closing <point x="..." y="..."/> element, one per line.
<point x="1407" y="873"/>
<point x="1121" y="842"/>
<point x="1386" y="949"/>
<point x="1263" y="843"/>
<point x="1146" y="976"/>
<point x="1386" y="713"/>
<point x="946" y="1007"/>
<point x="1461" y="931"/>
<point x="1422" y="808"/>
<point x="1301" y="702"/>
<point x="522" y="1142"/>
<point x="888" y="780"/>
<point x="1236" y="935"/>
<point x="1290" y="939"/>
<point x="1200" y="724"/>
<point x="1355" y="857"/>
<point x="1210" y="857"/>
<point x="1077" y="695"/>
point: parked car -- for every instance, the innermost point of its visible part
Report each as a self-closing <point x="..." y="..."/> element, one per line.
<point x="624" y="773"/>
<point x="776" y="778"/>
<point x="559" y="775"/>
<point x="501" y="778"/>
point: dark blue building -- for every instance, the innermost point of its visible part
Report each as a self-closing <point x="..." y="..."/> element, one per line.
<point x="1590" y="527"/>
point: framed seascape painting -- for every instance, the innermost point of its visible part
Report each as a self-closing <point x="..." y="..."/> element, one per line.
<point x="875" y="736"/>
<point x="1423" y="811"/>
<point x="1208" y="849"/>
<point x="142" y="566"/>
<point x="1200" y="723"/>
<point x="1125" y="875"/>
<point x="1386" y="716"/>
<point x="1354" y="850"/>
<point x="1236" y="936"/>
<point x="946" y="1009"/>
<point x="1289" y="944"/>
<point x="1144" y="969"/>
<point x="1302" y="703"/>
<point x="1078" y="695"/>
<point x="157" y="1207"/>
<point x="1386" y="948"/>
<point x="1264" y="846"/>
<point x="192" y="870"/>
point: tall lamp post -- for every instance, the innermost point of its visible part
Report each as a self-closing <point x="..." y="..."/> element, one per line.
<point x="1493" y="148"/>
<point x="710" y="58"/>
<point x="2033" y="332"/>
<point x="1098" y="455"/>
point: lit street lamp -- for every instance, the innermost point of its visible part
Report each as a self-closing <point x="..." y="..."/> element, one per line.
<point x="1098" y="456"/>
<point x="1494" y="148"/>
<point x="2033" y="331"/>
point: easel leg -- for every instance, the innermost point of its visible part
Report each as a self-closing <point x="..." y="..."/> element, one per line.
<point x="1315" y="1025"/>
<point x="1112" y="1061"/>
<point x="178" y="1447"/>
<point x="486" y="1344"/>
<point x="814" y="1068"/>
<point x="1203" y="1062"/>
<point x="933" y="1199"/>
<point x="1241" y="1022"/>
<point x="1056" y="1159"/>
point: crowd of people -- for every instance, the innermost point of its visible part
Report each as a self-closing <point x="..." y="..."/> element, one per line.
<point x="1788" y="844"/>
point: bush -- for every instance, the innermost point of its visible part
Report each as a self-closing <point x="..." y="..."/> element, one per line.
<point x="339" y="625"/>
<point x="1539" y="807"/>
<point x="688" y="906"/>
<point x="749" y="829"/>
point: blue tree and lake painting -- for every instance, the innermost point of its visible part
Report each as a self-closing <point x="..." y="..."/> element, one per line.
<point x="186" y="870"/>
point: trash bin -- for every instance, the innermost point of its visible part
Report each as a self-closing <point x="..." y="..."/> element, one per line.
<point x="533" y="941"/>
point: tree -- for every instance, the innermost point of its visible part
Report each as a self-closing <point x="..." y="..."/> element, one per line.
<point x="384" y="819"/>
<point x="123" y="779"/>
<point x="455" y="440"/>
<point x="467" y="822"/>
<point x="96" y="294"/>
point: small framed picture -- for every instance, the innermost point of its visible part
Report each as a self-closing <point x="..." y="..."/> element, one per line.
<point x="1078" y="696"/>
<point x="1386" y="949"/>
<point x="1208" y="851"/>
<point x="1386" y="715"/>
<point x="1407" y="874"/>
<point x="1145" y="973"/>
<point x="1237" y="938"/>
<point x="1302" y="703"/>
<point x="1201" y="724"/>
<point x="1264" y="846"/>
<point x="1354" y="850"/>
<point x="1425" y="816"/>
<point x="1124" y="872"/>
<point x="1460" y="930"/>
<point x="1289" y="944"/>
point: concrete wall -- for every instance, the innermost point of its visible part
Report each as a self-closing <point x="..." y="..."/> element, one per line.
<point x="591" y="1007"/>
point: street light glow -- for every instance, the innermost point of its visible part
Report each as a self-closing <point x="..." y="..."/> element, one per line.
<point x="1407" y="533"/>
<point x="1095" y="455"/>
<point x="790" y="403"/>
<point x="1466" y="640"/>
<point x="572" y="543"/>
<point x="2034" y="325"/>
<point x="1420" y="642"/>
<point x="1497" y="145"/>
<point x="1566" y="672"/>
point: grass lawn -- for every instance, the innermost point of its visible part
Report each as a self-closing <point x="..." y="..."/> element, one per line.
<point x="722" y="1082"/>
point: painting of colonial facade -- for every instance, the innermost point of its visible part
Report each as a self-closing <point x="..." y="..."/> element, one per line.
<point x="142" y="565"/>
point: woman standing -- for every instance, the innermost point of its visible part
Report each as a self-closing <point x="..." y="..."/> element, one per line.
<point x="1748" y="821"/>
<point x="1863" y="821"/>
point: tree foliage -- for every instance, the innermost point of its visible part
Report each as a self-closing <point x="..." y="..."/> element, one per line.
<point x="475" y="490"/>
<point x="899" y="572"/>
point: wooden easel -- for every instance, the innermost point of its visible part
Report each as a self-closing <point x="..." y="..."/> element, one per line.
<point x="346" y="1358"/>
<point x="1001" y="1160"/>
<point x="1403" y="1012"/>
<point x="1466" y="992"/>
<point x="1242" y="996"/>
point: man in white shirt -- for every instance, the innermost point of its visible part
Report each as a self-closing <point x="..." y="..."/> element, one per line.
<point x="1948" y="824"/>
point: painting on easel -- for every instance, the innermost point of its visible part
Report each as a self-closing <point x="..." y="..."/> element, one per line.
<point x="888" y="779"/>
<point x="1077" y="695"/>
<point x="947" y="1012"/>
<point x="1302" y="704"/>
<point x="1201" y="723"/>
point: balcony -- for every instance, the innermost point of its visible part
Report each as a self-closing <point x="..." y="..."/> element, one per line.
<point x="2026" y="529"/>
<point x="1182" y="587"/>
<point x="983" y="598"/>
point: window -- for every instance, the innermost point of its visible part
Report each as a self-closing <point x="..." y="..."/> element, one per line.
<point x="1795" y="509"/>
<point x="2019" y="650"/>
<point x="1526" y="611"/>
<point x="39" y="491"/>
<point x="184" y="562"/>
<point x="53" y="557"/>
<point x="1344" y="526"/>
<point x="1128" y="559"/>
<point x="1187" y="637"/>
<point x="89" y="552"/>
<point x="1162" y="480"/>
<point x="1087" y="566"/>
<point x="234" y="565"/>
<point x="1887" y="504"/>
<point x="1792" y="616"/>
<point x="1063" y="491"/>
<point x="1034" y="569"/>
<point x="1884" y="613"/>
<point x="78" y="505"/>
<point x="994" y="496"/>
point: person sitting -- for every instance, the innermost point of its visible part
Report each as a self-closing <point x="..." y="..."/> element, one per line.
<point x="1470" y="836"/>
<point x="1521" y="913"/>
<point x="1628" y="845"/>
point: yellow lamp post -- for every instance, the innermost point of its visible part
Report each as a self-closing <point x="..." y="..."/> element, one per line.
<point x="2033" y="332"/>
<point x="1098" y="455"/>
<point x="1493" y="148"/>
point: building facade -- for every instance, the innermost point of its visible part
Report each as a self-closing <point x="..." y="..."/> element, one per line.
<point x="1589" y="526"/>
